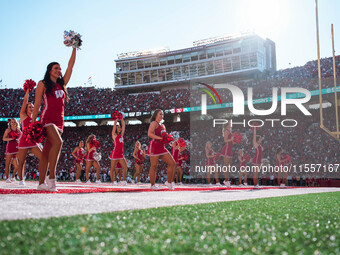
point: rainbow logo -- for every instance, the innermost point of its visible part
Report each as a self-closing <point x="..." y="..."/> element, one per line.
<point x="209" y="93"/>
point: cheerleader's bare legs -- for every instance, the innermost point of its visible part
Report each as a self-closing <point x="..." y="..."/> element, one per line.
<point x="11" y="160"/>
<point x="96" y="165"/>
<point x="113" y="168"/>
<point x="22" y="156"/>
<point x="138" y="172"/>
<point x="50" y="153"/>
<point x="167" y="158"/>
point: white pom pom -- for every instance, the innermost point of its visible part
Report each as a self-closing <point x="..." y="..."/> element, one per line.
<point x="97" y="156"/>
<point x="72" y="39"/>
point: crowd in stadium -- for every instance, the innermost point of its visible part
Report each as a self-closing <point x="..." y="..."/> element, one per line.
<point x="91" y="101"/>
<point x="310" y="69"/>
<point x="305" y="143"/>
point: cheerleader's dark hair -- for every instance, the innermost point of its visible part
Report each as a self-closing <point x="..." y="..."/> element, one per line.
<point x="49" y="84"/>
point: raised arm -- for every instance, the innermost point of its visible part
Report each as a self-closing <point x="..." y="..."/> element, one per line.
<point x="23" y="115"/>
<point x="39" y="92"/>
<point x="113" y="134"/>
<point x="123" y="128"/>
<point x="69" y="69"/>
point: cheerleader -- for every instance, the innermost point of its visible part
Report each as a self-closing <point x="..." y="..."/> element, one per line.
<point x="90" y="161"/>
<point x="157" y="150"/>
<point x="78" y="154"/>
<point x="175" y="155"/>
<point x="210" y="154"/>
<point x="257" y="158"/>
<point x="52" y="89"/>
<point x="242" y="161"/>
<point x="139" y="156"/>
<point x="179" y="170"/>
<point x="118" y="173"/>
<point x="23" y="147"/>
<point x="12" y="133"/>
<point x="117" y="152"/>
<point x="227" y="151"/>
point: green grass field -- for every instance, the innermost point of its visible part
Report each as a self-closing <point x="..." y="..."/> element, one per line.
<point x="303" y="224"/>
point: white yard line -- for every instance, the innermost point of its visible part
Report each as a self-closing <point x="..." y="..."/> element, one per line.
<point x="13" y="207"/>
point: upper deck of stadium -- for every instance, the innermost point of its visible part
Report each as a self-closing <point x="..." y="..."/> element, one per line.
<point x="211" y="60"/>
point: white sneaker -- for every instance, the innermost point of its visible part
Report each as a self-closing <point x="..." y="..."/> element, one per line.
<point x="115" y="183"/>
<point x="88" y="182"/>
<point x="227" y="184"/>
<point x="133" y="182"/>
<point x="180" y="183"/>
<point x="52" y="185"/>
<point x="257" y="187"/>
<point x="8" y="180"/>
<point x="78" y="181"/>
<point x="42" y="186"/>
<point x="47" y="178"/>
<point x="282" y="186"/>
<point x="123" y="183"/>
<point x="98" y="181"/>
<point x="139" y="183"/>
<point x="171" y="186"/>
<point x="168" y="184"/>
<point x="154" y="187"/>
<point x="210" y="184"/>
<point x="245" y="184"/>
<point x="22" y="183"/>
<point x="218" y="184"/>
<point x="13" y="179"/>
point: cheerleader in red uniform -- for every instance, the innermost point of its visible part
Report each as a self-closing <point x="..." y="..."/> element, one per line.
<point x="242" y="161"/>
<point x="175" y="155"/>
<point x="210" y="154"/>
<point x="157" y="150"/>
<point x="78" y="154"/>
<point x="12" y="133"/>
<point x="90" y="161"/>
<point x="117" y="152"/>
<point x="52" y="89"/>
<point x="118" y="173"/>
<point x="23" y="147"/>
<point x="139" y="156"/>
<point x="179" y="170"/>
<point x="257" y="158"/>
<point x="227" y="151"/>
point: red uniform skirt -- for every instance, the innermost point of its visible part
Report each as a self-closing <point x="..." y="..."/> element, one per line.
<point x="227" y="150"/>
<point x="156" y="148"/>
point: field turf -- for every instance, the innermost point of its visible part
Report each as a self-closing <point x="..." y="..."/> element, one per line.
<point x="302" y="224"/>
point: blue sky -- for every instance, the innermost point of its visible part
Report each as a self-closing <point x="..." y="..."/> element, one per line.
<point x="32" y="31"/>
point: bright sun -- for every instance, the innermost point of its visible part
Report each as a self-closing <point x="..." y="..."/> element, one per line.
<point x="264" y="16"/>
